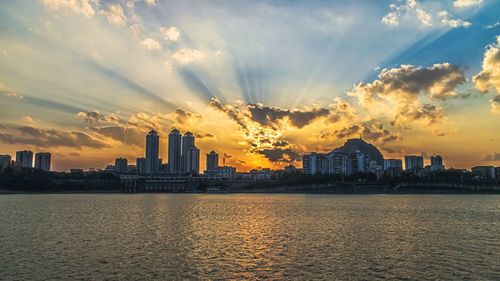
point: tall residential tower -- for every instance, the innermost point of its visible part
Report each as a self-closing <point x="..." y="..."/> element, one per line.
<point x="152" y="151"/>
<point x="174" y="151"/>
<point x="42" y="161"/>
<point x="187" y="144"/>
<point x="24" y="159"/>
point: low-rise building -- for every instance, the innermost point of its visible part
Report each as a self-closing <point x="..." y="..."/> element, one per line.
<point x="484" y="172"/>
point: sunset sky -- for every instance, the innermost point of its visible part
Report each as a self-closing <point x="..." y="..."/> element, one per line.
<point x="262" y="82"/>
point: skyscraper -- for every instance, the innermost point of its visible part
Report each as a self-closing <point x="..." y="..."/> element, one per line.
<point x="212" y="161"/>
<point x="174" y="151"/>
<point x="152" y="151"/>
<point x="187" y="144"/>
<point x="24" y="159"/>
<point x="42" y="161"/>
<point x="121" y="165"/>
<point x="193" y="160"/>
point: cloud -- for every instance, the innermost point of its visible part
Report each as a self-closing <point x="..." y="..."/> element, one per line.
<point x="270" y="116"/>
<point x="341" y="110"/>
<point x="492" y="157"/>
<point x="183" y="117"/>
<point x="489" y="77"/>
<point x="186" y="56"/>
<point x="28" y="120"/>
<point x="461" y="4"/>
<point x="454" y="23"/>
<point x="439" y="81"/>
<point x="96" y="117"/>
<point x="115" y="15"/>
<point x="84" y="7"/>
<point x="400" y="91"/>
<point x="264" y="126"/>
<point x="286" y="155"/>
<point x="204" y="136"/>
<point x="170" y="33"/>
<point x="413" y="12"/>
<point x="151" y="44"/>
<point x="430" y="113"/>
<point x="11" y="94"/>
<point x="371" y="130"/>
<point x="408" y="9"/>
<point x="230" y="111"/>
<point x="29" y="135"/>
<point x="490" y="26"/>
<point x="261" y="128"/>
<point x="127" y="135"/>
<point x="495" y="104"/>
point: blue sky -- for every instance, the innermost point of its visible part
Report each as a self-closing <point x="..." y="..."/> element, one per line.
<point x="60" y="58"/>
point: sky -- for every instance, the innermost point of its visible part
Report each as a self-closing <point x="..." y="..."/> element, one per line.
<point x="259" y="82"/>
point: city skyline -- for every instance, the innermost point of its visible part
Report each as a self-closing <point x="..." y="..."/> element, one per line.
<point x="337" y="160"/>
<point x="260" y="83"/>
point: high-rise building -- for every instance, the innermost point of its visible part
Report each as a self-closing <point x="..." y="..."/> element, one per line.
<point x="187" y="144"/>
<point x="174" y="151"/>
<point x="212" y="161"/>
<point x="152" y="152"/>
<point x="437" y="163"/>
<point x="311" y="163"/>
<point x="24" y="159"/>
<point x="140" y="164"/>
<point x="5" y="161"/>
<point x="42" y="161"/>
<point x="193" y="160"/>
<point x="338" y="163"/>
<point x="121" y="165"/>
<point x="358" y="162"/>
<point x="413" y="162"/>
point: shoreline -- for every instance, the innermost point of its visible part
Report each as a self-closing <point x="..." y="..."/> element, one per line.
<point x="411" y="191"/>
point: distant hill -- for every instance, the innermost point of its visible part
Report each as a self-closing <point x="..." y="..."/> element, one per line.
<point x="352" y="145"/>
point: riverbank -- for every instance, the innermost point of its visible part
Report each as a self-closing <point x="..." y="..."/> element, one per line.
<point x="299" y="189"/>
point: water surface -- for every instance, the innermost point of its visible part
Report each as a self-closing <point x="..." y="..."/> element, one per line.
<point x="292" y="237"/>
